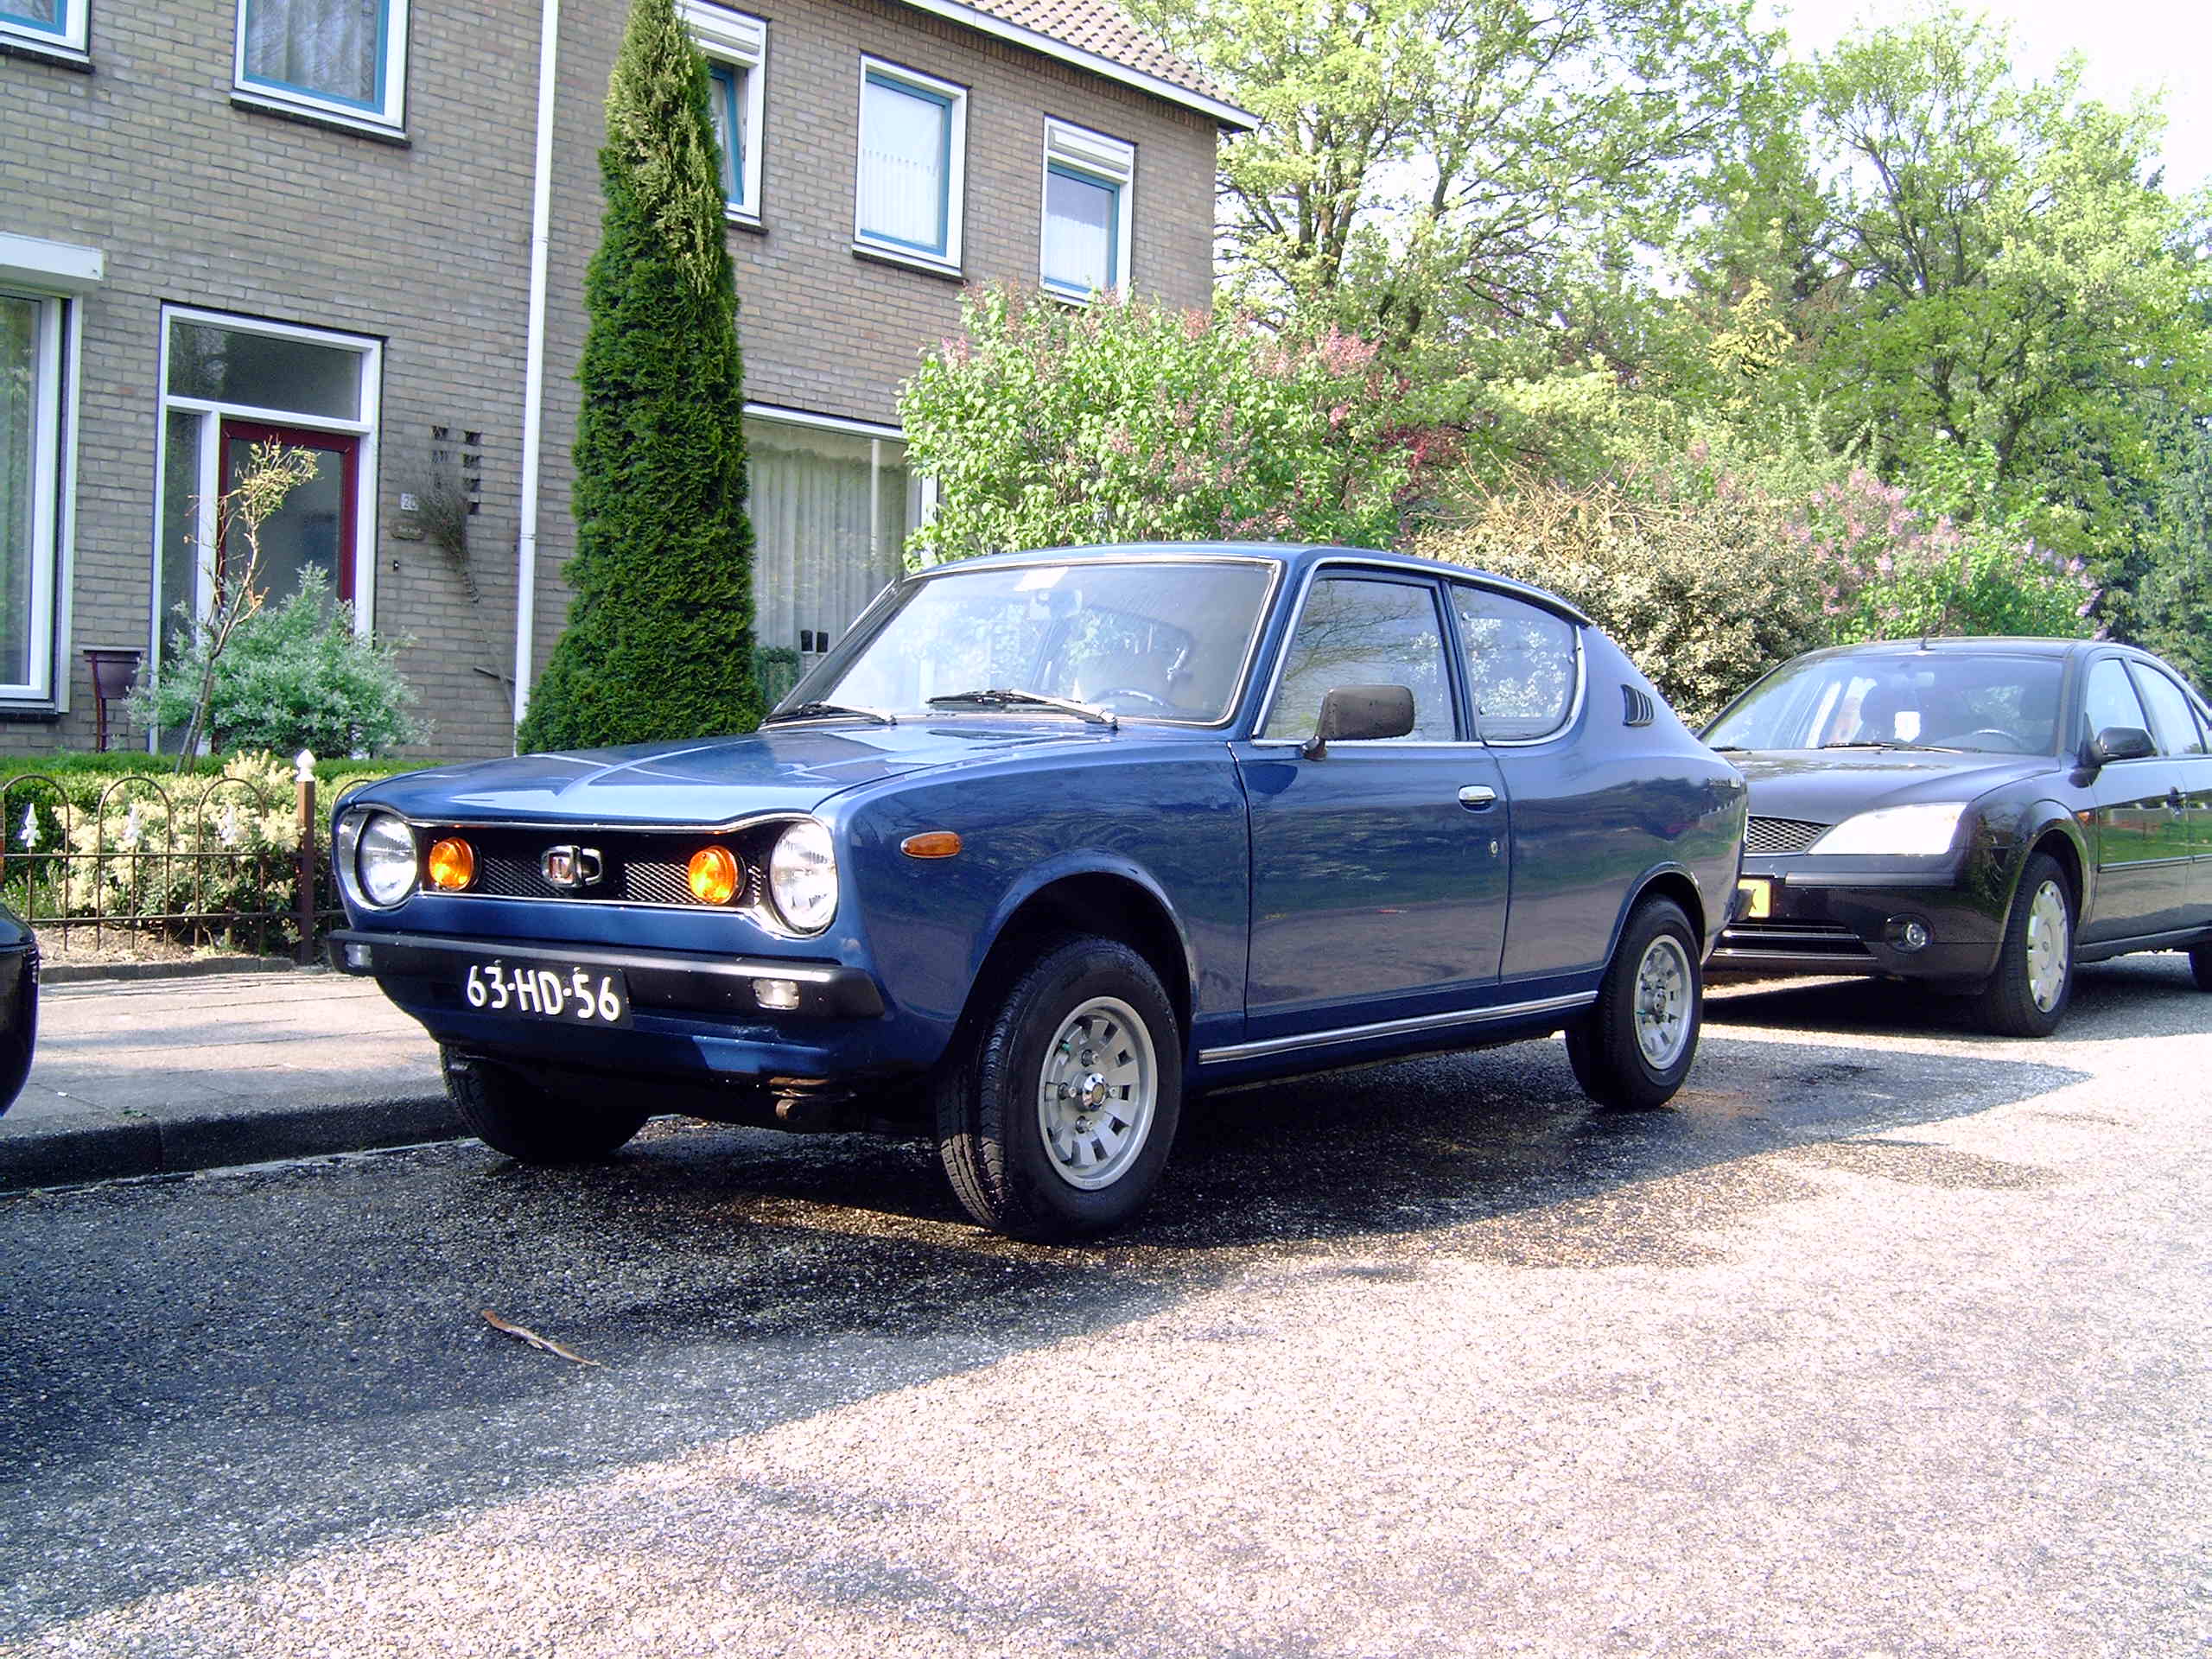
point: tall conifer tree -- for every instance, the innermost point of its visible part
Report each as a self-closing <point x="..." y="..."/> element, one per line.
<point x="659" y="639"/>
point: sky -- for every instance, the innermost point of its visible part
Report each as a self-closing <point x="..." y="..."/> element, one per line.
<point x="2128" y="44"/>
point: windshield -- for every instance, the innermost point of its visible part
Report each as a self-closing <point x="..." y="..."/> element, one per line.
<point x="1158" y="640"/>
<point x="1930" y="700"/>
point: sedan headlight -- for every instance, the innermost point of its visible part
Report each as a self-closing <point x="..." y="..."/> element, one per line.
<point x="384" y="863"/>
<point x="803" y="877"/>
<point x="1921" y="832"/>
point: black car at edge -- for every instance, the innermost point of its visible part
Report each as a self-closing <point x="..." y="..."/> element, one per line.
<point x="1979" y="813"/>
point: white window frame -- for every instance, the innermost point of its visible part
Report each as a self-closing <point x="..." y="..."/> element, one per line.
<point x="387" y="115"/>
<point x="1101" y="159"/>
<point x="69" y="40"/>
<point x="738" y="42"/>
<point x="210" y="460"/>
<point x="955" y="171"/>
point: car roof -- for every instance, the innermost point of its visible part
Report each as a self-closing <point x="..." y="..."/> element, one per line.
<point x="2002" y="644"/>
<point x="1295" y="558"/>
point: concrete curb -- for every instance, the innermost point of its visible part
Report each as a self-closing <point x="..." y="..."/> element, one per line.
<point x="83" y="972"/>
<point x="58" y="1155"/>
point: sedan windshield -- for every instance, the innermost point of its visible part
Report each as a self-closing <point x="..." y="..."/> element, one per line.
<point x="1160" y="640"/>
<point x="1928" y="700"/>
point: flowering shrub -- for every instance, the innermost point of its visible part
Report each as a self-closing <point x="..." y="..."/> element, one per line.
<point x="1046" y="424"/>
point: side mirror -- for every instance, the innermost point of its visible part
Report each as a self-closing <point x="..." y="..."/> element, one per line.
<point x="2120" y="743"/>
<point x="1358" y="713"/>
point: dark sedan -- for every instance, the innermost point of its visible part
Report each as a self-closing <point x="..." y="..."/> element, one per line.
<point x="1982" y="814"/>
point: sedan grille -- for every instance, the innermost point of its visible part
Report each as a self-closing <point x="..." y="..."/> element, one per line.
<point x="1780" y="835"/>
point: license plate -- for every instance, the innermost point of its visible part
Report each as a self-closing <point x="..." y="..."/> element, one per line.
<point x="1755" y="898"/>
<point x="570" y="993"/>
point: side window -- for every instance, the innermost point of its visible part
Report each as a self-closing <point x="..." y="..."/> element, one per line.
<point x="1084" y="248"/>
<point x="1357" y="631"/>
<point x="914" y="147"/>
<point x="2110" y="700"/>
<point x="1521" y="665"/>
<point x="2171" y="721"/>
<point x="340" y="57"/>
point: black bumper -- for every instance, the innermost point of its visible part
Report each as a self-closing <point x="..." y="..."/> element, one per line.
<point x="1854" y="924"/>
<point x="429" y="968"/>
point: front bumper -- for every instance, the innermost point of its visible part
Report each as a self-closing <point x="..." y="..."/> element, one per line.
<point x="1827" y="921"/>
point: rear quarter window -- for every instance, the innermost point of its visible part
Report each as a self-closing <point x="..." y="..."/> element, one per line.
<point x="1522" y="664"/>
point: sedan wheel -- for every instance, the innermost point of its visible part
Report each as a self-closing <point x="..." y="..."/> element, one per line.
<point x="2028" y="994"/>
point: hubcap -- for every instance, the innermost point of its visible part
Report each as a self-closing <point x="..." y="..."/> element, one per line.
<point x="1095" y="1093"/>
<point x="1662" y="1002"/>
<point x="2049" y="945"/>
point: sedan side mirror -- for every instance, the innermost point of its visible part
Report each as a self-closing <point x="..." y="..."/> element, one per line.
<point x="1355" y="713"/>
<point x="2120" y="743"/>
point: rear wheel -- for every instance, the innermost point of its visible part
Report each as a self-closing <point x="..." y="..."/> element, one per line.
<point x="2199" y="964"/>
<point x="2028" y="994"/>
<point x="1634" y="1047"/>
<point x="1055" y="1114"/>
<point x="510" y="1114"/>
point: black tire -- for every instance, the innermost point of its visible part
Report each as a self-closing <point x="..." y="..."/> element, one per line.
<point x="2199" y="964"/>
<point x="991" y="1102"/>
<point x="1606" y="1046"/>
<point x="508" y="1113"/>
<point x="2010" y="1004"/>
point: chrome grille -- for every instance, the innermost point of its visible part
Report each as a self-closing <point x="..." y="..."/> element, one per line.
<point x="510" y="877"/>
<point x="1780" y="835"/>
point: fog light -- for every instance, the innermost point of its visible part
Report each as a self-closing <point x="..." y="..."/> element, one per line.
<point x="776" y="992"/>
<point x="452" y="864"/>
<point x="713" y="872"/>
<point x="357" y="956"/>
<point x="1907" y="934"/>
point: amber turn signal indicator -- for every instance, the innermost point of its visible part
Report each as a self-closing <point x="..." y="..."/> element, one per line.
<point x="930" y="843"/>
<point x="713" y="875"/>
<point x="452" y="864"/>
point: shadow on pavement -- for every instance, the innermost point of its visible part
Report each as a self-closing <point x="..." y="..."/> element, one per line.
<point x="203" y="1377"/>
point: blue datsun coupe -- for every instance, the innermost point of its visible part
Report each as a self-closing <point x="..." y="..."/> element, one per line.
<point x="1050" y="842"/>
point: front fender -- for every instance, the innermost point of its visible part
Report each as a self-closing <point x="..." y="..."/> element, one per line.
<point x="1081" y="862"/>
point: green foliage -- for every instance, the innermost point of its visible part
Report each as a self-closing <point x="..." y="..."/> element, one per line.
<point x="659" y="641"/>
<point x="295" y="678"/>
<point x="1046" y="424"/>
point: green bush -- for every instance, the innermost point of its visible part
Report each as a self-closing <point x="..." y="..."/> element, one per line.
<point x="1046" y="424"/>
<point x="659" y="640"/>
<point x="295" y="677"/>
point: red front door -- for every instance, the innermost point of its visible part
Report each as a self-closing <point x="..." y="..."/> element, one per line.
<point x="317" y="524"/>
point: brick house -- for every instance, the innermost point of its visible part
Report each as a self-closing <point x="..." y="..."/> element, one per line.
<point x="361" y="225"/>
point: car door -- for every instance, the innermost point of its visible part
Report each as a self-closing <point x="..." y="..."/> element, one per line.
<point x="1378" y="868"/>
<point x="2179" y="729"/>
<point x="2142" y="857"/>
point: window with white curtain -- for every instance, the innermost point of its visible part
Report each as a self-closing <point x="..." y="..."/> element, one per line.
<point x="913" y="161"/>
<point x="58" y="24"/>
<point x="337" y="57"/>
<point x="1084" y="244"/>
<point x="736" y="49"/>
<point x="30" y="423"/>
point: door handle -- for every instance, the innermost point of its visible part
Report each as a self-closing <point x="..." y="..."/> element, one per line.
<point x="1476" y="797"/>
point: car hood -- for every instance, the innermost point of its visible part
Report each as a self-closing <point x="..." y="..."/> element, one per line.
<point x="1829" y="785"/>
<point x="788" y="768"/>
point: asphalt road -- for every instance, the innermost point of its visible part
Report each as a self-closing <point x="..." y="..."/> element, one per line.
<point x="1891" y="1339"/>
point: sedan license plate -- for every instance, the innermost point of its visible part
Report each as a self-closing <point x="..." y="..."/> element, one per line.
<point x="1754" y="899"/>
<point x="570" y="993"/>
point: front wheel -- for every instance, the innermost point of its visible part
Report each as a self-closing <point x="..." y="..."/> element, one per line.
<point x="1054" y="1118"/>
<point x="508" y="1113"/>
<point x="2028" y="994"/>
<point x="1634" y="1047"/>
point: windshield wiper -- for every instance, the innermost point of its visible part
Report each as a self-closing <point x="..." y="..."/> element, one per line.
<point x="1006" y="696"/>
<point x="824" y="710"/>
<point x="1876" y="743"/>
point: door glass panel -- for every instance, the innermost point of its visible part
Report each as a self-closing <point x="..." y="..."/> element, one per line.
<point x="310" y="528"/>
<point x="180" y="520"/>
<point x="2111" y="701"/>
<point x="2171" y="721"/>
<point x="1356" y="631"/>
<point x="229" y="366"/>
<point x="20" y="397"/>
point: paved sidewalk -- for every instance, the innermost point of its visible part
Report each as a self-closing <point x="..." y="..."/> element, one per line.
<point x="149" y="1075"/>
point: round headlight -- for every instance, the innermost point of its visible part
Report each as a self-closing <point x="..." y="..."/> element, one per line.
<point x="385" y="860"/>
<point x="803" y="877"/>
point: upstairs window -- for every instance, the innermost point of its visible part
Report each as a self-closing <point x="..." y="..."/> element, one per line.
<point x="1085" y="245"/>
<point x="913" y="163"/>
<point x="736" y="49"/>
<point x="345" y="58"/>
<point x="56" y="23"/>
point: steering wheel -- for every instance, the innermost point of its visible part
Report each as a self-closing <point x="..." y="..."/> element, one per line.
<point x="2009" y="740"/>
<point x="1129" y="691"/>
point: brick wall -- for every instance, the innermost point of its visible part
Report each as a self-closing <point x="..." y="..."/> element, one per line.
<point x="425" y="246"/>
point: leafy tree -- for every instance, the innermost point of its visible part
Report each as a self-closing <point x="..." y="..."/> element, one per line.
<point x="659" y="638"/>
<point x="1048" y="425"/>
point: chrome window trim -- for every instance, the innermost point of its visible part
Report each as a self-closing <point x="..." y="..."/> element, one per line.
<point x="1394" y="1028"/>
